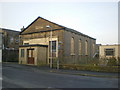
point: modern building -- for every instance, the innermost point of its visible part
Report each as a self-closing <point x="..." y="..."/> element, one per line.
<point x="109" y="51"/>
<point x="45" y="42"/>
<point x="10" y="44"/>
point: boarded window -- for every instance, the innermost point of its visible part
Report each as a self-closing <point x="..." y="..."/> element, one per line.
<point x="22" y="52"/>
<point x="86" y="47"/>
<point x="80" y="47"/>
<point x="72" y="46"/>
<point x="109" y="52"/>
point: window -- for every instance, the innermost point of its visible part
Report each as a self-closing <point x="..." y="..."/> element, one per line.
<point x="17" y="40"/>
<point x="86" y="47"/>
<point x="80" y="47"/>
<point x="53" y="48"/>
<point x="11" y="39"/>
<point x="93" y="48"/>
<point x="26" y="43"/>
<point x="22" y="52"/>
<point x="72" y="46"/>
<point x="109" y="52"/>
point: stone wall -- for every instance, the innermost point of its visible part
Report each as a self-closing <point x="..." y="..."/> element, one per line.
<point x="76" y="58"/>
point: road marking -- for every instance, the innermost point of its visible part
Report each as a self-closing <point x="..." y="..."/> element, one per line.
<point x="0" y="78"/>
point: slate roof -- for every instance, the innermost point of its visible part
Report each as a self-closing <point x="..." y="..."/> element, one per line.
<point x="4" y="29"/>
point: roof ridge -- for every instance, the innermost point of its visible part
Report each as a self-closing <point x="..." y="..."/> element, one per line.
<point x="9" y="29"/>
<point x="43" y="19"/>
<point x="68" y="29"/>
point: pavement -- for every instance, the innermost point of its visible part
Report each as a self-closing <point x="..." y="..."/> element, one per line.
<point x="63" y="71"/>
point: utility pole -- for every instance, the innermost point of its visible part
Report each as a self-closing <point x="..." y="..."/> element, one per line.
<point x="51" y="62"/>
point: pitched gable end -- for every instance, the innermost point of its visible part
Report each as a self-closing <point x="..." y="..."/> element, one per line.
<point x="40" y="24"/>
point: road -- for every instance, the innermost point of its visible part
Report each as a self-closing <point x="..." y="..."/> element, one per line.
<point x="28" y="78"/>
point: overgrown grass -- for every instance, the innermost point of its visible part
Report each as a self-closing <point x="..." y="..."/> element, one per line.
<point x="91" y="68"/>
<point x="95" y="64"/>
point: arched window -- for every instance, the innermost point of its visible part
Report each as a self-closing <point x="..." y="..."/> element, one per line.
<point x="93" y="48"/>
<point x="80" y="47"/>
<point x="86" y="47"/>
<point x="72" y="46"/>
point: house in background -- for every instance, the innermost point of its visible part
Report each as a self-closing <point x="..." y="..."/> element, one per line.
<point x="109" y="51"/>
<point x="43" y="41"/>
<point x="10" y="44"/>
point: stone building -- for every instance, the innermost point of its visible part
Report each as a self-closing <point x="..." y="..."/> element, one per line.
<point x="43" y="42"/>
<point x="0" y="45"/>
<point x="10" y="44"/>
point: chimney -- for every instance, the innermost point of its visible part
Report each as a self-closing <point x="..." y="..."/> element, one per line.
<point x="22" y="28"/>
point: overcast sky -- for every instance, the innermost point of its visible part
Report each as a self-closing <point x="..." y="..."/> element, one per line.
<point x="96" y="19"/>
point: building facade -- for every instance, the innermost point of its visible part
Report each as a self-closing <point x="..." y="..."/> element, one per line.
<point x="109" y="51"/>
<point x="43" y="41"/>
<point x="10" y="44"/>
<point x="0" y="45"/>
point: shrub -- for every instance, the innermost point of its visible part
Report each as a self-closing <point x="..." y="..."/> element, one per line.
<point x="118" y="61"/>
<point x="112" y="61"/>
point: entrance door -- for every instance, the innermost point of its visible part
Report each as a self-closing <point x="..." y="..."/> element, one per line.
<point x="30" y="53"/>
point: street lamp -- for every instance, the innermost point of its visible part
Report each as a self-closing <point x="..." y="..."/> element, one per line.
<point x="48" y="26"/>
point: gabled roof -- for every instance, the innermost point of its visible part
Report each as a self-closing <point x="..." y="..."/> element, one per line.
<point x="43" y="19"/>
<point x="79" y="33"/>
<point x="63" y="27"/>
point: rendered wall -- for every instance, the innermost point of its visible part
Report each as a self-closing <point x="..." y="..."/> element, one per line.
<point x="103" y="47"/>
<point x="42" y="55"/>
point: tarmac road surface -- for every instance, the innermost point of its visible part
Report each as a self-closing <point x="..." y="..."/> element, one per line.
<point x="0" y="76"/>
<point x="29" y="78"/>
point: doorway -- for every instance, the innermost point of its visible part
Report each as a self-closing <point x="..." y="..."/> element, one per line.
<point x="30" y="56"/>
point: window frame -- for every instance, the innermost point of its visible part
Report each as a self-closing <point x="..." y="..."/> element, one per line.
<point x="80" y="47"/>
<point x="53" y="51"/>
<point x="86" y="47"/>
<point x="22" y="53"/>
<point x="106" y="50"/>
<point x="72" y="46"/>
<point x="93" y="48"/>
<point x="26" y="43"/>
